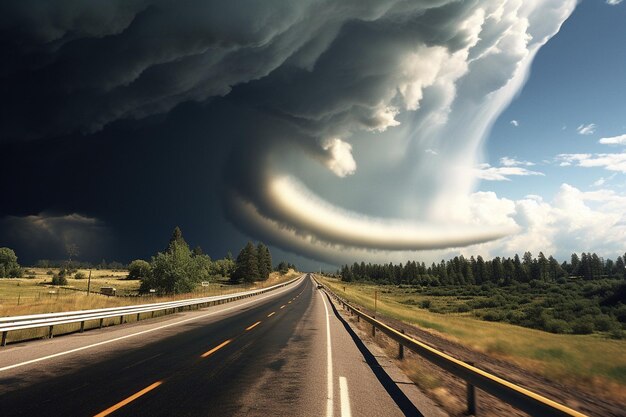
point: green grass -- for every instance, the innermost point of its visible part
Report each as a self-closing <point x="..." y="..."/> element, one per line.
<point x="584" y="360"/>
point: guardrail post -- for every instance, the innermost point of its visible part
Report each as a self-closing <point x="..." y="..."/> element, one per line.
<point x="401" y="349"/>
<point x="4" y="338"/>
<point x="373" y="330"/>
<point x="82" y="326"/>
<point x="121" y="319"/>
<point x="50" y="332"/>
<point x="471" y="397"/>
<point x="138" y="316"/>
<point x="101" y="321"/>
<point x="152" y="314"/>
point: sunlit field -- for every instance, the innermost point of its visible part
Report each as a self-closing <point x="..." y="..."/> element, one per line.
<point x="593" y="362"/>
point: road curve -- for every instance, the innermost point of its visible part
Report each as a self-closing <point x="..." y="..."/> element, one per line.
<point x="285" y="353"/>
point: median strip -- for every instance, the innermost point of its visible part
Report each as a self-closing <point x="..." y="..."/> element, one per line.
<point x="128" y="400"/>
<point x="216" y="348"/>
<point x="253" y="326"/>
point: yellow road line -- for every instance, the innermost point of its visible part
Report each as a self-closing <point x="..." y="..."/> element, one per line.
<point x="253" y="326"/>
<point x="128" y="400"/>
<point x="216" y="348"/>
<point x="271" y="314"/>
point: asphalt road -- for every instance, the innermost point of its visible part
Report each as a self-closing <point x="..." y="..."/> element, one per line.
<point x="285" y="353"/>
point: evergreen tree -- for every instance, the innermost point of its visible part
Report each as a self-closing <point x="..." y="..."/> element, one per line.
<point x="574" y="264"/>
<point x="176" y="239"/>
<point x="620" y="267"/>
<point x="247" y="265"/>
<point x="264" y="259"/>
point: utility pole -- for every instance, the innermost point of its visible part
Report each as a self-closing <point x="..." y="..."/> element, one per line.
<point x="89" y="282"/>
<point x="375" y="302"/>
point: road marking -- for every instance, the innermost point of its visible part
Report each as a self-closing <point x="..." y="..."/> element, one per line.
<point x="271" y="314"/>
<point x="289" y="302"/>
<point x="329" y="364"/>
<point x="106" y="342"/>
<point x="283" y="306"/>
<point x="128" y="400"/>
<point x="216" y="348"/>
<point x="253" y="326"/>
<point x="345" y="397"/>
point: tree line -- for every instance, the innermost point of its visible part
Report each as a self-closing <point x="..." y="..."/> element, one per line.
<point x="176" y="269"/>
<point x="500" y="271"/>
<point x="179" y="269"/>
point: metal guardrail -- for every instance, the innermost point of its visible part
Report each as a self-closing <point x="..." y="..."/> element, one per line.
<point x="519" y="397"/>
<point x="34" y="321"/>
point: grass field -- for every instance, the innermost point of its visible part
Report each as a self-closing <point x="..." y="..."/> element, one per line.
<point x="34" y="295"/>
<point x="583" y="360"/>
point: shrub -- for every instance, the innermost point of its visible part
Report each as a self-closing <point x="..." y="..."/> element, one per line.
<point x="557" y="326"/>
<point x="80" y="275"/>
<point x="139" y="269"/>
<point x="492" y="316"/>
<point x="59" y="280"/>
<point x="463" y="308"/>
<point x="425" y="304"/>
<point x="49" y="272"/>
<point x="583" y="326"/>
<point x="604" y="323"/>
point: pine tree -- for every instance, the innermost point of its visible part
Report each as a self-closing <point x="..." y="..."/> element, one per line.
<point x="264" y="259"/>
<point x="247" y="265"/>
<point x="176" y="239"/>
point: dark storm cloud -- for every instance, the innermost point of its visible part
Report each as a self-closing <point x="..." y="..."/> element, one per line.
<point x="292" y="82"/>
<point x="49" y="235"/>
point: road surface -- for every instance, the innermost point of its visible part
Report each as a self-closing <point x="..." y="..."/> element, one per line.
<point x="284" y="353"/>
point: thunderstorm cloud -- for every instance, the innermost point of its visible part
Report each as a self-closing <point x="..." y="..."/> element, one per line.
<point x="354" y="127"/>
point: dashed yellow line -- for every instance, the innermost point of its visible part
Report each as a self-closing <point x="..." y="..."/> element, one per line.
<point x="253" y="326"/>
<point x="216" y="348"/>
<point x="128" y="400"/>
<point x="271" y="314"/>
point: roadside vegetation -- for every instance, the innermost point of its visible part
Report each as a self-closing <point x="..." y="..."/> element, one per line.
<point x="584" y="296"/>
<point x="175" y="273"/>
<point x="594" y="362"/>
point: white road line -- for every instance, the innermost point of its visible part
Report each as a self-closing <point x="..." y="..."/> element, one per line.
<point x="106" y="342"/>
<point x="329" y="362"/>
<point x="345" y="397"/>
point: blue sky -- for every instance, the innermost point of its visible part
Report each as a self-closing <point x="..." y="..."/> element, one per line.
<point x="577" y="78"/>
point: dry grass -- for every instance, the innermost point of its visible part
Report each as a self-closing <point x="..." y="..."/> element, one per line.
<point x="19" y="296"/>
<point x="592" y="362"/>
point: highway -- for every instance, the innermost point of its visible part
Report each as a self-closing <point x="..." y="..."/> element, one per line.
<point x="284" y="353"/>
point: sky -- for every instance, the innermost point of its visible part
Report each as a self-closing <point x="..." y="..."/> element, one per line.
<point x="334" y="131"/>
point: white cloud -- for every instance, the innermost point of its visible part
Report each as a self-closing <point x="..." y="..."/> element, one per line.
<point x="340" y="159"/>
<point x="603" y="180"/>
<point x="613" y="2"/>
<point x="514" y="123"/>
<point x="512" y="162"/>
<point x="431" y="151"/>
<point x="608" y="161"/>
<point x="614" y="140"/>
<point x="569" y="223"/>
<point x="489" y="173"/>
<point x="588" y="129"/>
